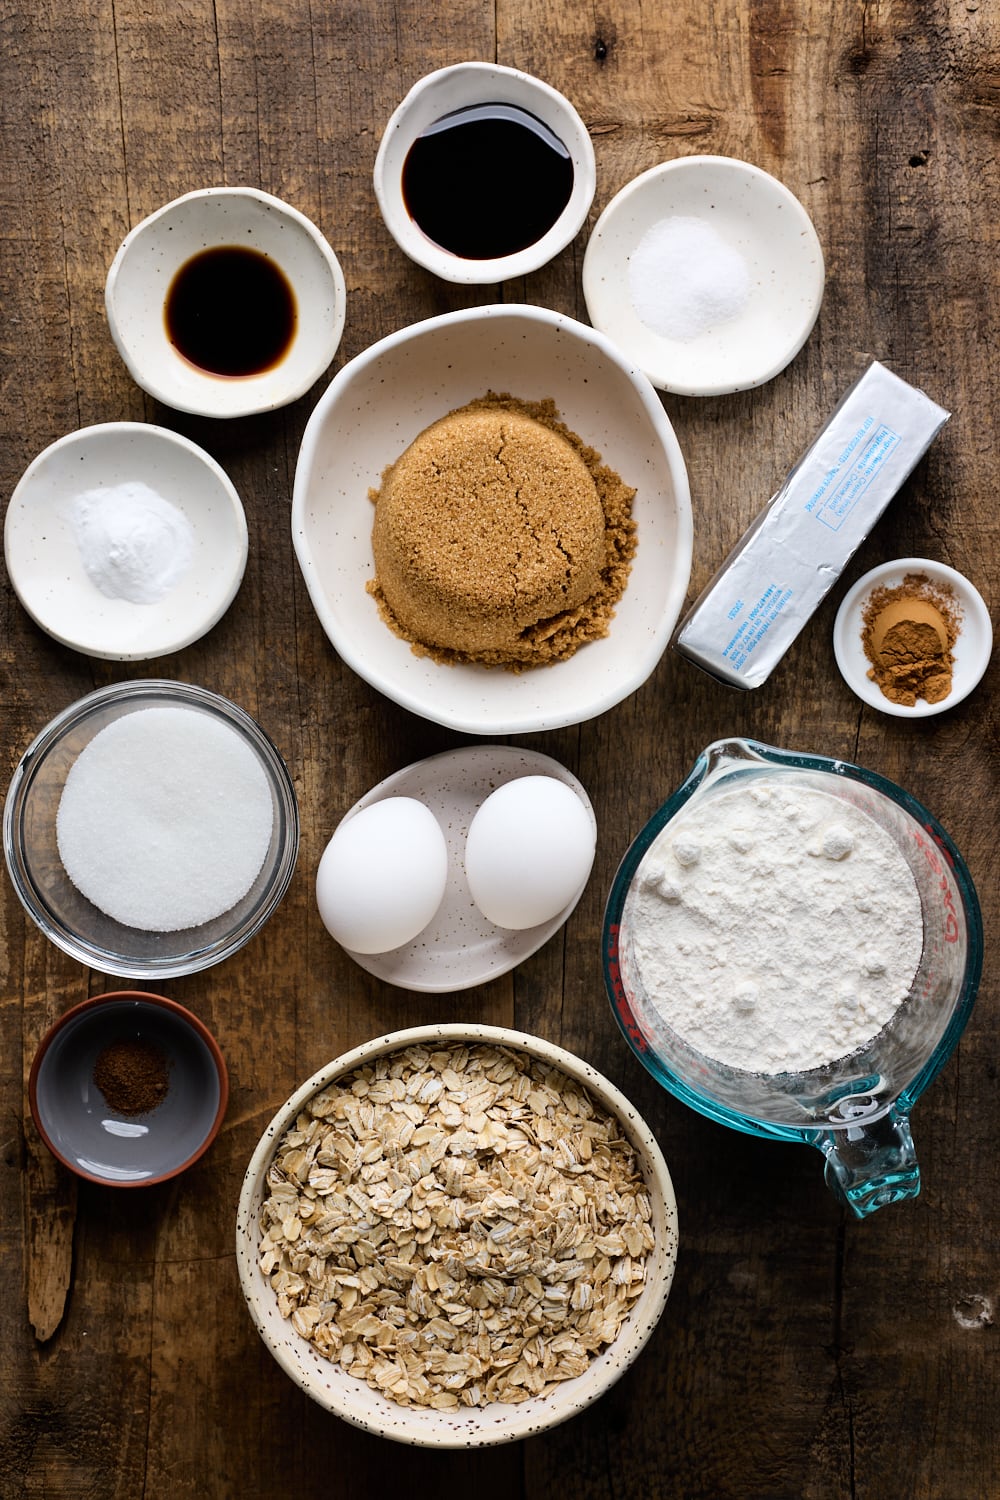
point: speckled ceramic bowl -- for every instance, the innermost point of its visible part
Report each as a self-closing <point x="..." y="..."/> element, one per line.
<point x="461" y="1426"/>
<point x="149" y="258"/>
<point x="467" y="86"/>
<point x="48" y="569"/>
<point x="103" y="1136"/>
<point x="747" y="213"/>
<point x="373" y="409"/>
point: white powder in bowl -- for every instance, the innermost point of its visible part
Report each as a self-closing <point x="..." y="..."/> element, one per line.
<point x="134" y="544"/>
<point x="684" y="279"/>
<point x="165" y="819"/>
<point x="775" y="928"/>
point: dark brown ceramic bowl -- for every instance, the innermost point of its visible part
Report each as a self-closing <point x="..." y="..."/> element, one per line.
<point x="164" y="1081"/>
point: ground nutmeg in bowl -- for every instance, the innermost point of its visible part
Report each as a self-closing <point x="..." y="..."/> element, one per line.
<point x="456" y="1226"/>
<point x="500" y="537"/>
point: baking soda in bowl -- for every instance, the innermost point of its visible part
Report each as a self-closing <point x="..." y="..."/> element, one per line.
<point x="775" y="929"/>
<point x="165" y="819"/>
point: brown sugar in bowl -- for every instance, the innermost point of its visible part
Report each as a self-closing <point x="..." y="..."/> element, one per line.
<point x="500" y="538"/>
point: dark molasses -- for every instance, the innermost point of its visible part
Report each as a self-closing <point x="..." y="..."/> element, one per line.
<point x="487" y="181"/>
<point x="231" y="311"/>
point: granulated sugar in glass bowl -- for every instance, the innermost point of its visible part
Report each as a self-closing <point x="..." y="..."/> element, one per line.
<point x="108" y="829"/>
<point x="456" y="1236"/>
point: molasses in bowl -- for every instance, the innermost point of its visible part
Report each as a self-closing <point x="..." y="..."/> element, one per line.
<point x="484" y="173"/>
<point x="226" y="302"/>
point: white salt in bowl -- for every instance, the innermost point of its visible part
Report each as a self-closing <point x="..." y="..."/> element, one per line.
<point x="49" y="569"/>
<point x="373" y="409"/>
<point x="348" y="1396"/>
<point x="973" y="647"/>
<point x="754" y="249"/>
<point x="461" y="87"/>
<point x="63" y="913"/>
<point x="150" y="256"/>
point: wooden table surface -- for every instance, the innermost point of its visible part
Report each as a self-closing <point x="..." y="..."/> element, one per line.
<point x="802" y="1354"/>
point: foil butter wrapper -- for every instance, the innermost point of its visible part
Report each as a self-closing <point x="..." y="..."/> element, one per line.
<point x="767" y="589"/>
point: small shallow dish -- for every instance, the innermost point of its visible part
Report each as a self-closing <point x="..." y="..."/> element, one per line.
<point x="461" y="1427"/>
<point x="973" y="647"/>
<point x="154" y="251"/>
<point x="128" y="1147"/>
<point x="46" y="566"/>
<point x="460" y="87"/>
<point x="461" y="948"/>
<point x="373" y="409"/>
<point x="757" y="217"/>
<point x="65" y="916"/>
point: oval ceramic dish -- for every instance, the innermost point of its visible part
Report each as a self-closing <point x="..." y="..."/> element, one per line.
<point x="153" y="252"/>
<point x="459" y="87"/>
<point x="755" y="216"/>
<point x="46" y="565"/>
<point x="461" y="1426"/>
<point x="972" y="652"/>
<point x="373" y="409"/>
<point x="461" y="947"/>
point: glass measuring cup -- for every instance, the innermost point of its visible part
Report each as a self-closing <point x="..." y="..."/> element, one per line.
<point x="855" y="1110"/>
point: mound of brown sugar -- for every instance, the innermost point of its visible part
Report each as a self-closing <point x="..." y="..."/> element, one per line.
<point x="500" y="537"/>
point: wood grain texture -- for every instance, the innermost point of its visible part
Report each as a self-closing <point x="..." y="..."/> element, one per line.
<point x="802" y="1356"/>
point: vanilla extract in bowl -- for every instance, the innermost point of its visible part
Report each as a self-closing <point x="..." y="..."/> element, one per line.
<point x="230" y="310"/>
<point x="487" y="181"/>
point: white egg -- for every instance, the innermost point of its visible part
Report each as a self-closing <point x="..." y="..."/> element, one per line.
<point x="529" y="850"/>
<point x="382" y="875"/>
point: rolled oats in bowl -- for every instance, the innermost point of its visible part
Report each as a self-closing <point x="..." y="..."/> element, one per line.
<point x="456" y="1235"/>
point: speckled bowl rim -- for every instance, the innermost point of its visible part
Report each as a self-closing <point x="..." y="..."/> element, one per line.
<point x="109" y="1001"/>
<point x="466" y="1427"/>
<point x="972" y="653"/>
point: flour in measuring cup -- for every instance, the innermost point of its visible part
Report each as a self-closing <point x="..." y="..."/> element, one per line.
<point x="775" y="928"/>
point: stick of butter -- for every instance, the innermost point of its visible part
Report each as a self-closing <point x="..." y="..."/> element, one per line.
<point x="766" y="590"/>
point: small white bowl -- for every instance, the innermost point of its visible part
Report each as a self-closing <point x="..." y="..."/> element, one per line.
<point x="351" y="1398"/>
<point x="460" y="87"/>
<point x="46" y="566"/>
<point x="373" y="409"/>
<point x="154" y="251"/>
<point x="755" y="216"/>
<point x="972" y="651"/>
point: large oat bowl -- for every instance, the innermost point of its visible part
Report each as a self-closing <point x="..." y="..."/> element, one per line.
<point x="370" y="414"/>
<point x="456" y="1236"/>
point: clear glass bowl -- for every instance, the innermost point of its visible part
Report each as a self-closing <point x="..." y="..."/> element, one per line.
<point x="855" y="1110"/>
<point x="72" y="922"/>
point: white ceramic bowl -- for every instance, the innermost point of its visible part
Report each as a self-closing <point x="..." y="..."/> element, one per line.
<point x="460" y="87"/>
<point x="462" y="1427"/>
<point x="755" y="216"/>
<point x="972" y="652"/>
<point x="46" y="566"/>
<point x="153" y="252"/>
<point x="378" y="403"/>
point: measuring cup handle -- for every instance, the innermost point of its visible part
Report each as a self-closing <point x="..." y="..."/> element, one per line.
<point x="868" y="1166"/>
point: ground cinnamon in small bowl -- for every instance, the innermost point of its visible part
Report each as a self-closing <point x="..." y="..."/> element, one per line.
<point x="133" y="1075"/>
<point x="500" y="537"/>
<point x="908" y="634"/>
